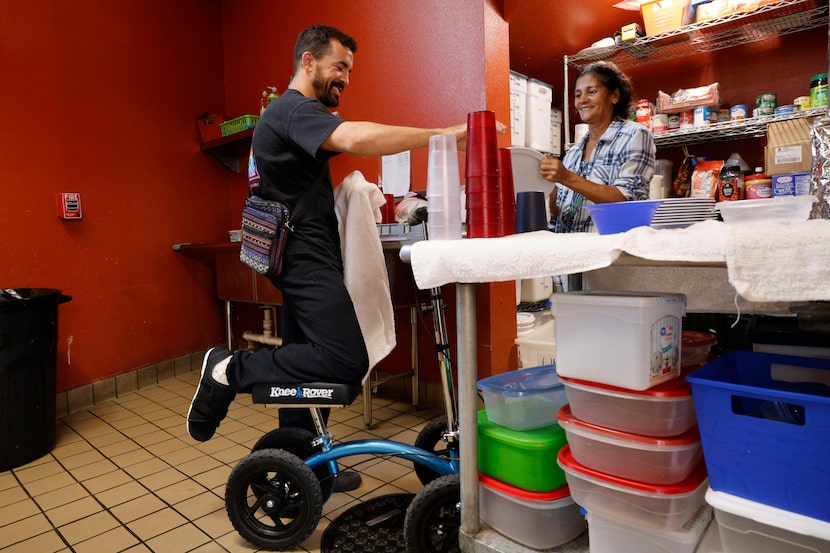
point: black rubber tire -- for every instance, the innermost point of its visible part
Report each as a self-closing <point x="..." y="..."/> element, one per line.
<point x="433" y="519"/>
<point x="299" y="442"/>
<point x="273" y="499"/>
<point x="431" y="439"/>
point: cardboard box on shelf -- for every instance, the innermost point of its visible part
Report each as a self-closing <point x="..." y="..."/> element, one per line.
<point x="662" y="16"/>
<point x="788" y="147"/>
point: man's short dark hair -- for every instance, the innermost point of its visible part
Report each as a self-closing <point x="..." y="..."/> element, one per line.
<point x="316" y="39"/>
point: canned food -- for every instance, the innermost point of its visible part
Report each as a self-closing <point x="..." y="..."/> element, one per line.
<point x="738" y="112"/>
<point x="802" y="102"/>
<point x="766" y="103"/>
<point x="687" y="119"/>
<point x="674" y="120"/>
<point x="785" y="109"/>
<point x="703" y="116"/>
<point x="659" y="123"/>
<point x="723" y="115"/>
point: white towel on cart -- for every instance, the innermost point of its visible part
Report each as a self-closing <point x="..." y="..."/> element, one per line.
<point x="779" y="261"/>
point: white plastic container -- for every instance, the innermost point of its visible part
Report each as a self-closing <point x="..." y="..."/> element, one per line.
<point x="537" y="125"/>
<point x="632" y="502"/>
<point x="533" y="519"/>
<point x="625" y="339"/>
<point x="664" y="410"/>
<point x="523" y="399"/>
<point x="555" y="132"/>
<point x="607" y="535"/>
<point x="535" y="353"/>
<point x="782" y="209"/>
<point x="750" y="527"/>
<point x="658" y="461"/>
<point x="518" y="108"/>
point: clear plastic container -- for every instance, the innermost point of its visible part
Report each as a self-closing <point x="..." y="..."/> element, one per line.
<point x="533" y="519"/>
<point x="625" y="339"/>
<point x="650" y="460"/>
<point x="523" y="399"/>
<point x="633" y="502"/>
<point x="665" y="410"/>
<point x="780" y="209"/>
<point x="607" y="535"/>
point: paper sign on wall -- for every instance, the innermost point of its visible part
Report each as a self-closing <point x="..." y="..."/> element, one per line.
<point x="395" y="174"/>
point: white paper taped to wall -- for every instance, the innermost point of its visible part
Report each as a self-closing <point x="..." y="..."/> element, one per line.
<point x="395" y="174"/>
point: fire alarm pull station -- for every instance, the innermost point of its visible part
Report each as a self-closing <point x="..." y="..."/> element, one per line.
<point x="69" y="205"/>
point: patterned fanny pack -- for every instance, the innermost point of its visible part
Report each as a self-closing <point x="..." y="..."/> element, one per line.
<point x="265" y="227"/>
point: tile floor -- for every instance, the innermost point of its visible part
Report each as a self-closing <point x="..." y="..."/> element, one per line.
<point x="125" y="476"/>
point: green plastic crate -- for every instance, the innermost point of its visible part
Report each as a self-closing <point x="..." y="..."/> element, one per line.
<point x="239" y="124"/>
<point x="525" y="459"/>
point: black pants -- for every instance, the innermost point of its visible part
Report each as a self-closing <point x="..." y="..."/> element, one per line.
<point x="322" y="341"/>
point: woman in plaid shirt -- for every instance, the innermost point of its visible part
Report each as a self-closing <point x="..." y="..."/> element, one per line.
<point x="613" y="162"/>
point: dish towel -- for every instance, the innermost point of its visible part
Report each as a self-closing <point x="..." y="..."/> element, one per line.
<point x="357" y="205"/>
<point x="519" y="256"/>
<point x="779" y="261"/>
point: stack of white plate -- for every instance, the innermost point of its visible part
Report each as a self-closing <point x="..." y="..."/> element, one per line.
<point x="682" y="212"/>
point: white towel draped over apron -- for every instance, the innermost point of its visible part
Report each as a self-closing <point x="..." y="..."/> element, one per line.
<point x="357" y="205"/>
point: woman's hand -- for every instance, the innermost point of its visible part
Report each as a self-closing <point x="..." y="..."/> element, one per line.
<point x="552" y="170"/>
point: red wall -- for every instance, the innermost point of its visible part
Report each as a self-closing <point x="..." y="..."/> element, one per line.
<point x="100" y="98"/>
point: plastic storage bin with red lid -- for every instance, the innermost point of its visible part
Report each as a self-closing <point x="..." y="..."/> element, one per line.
<point x="645" y="459"/>
<point x="536" y="520"/>
<point x="633" y="502"/>
<point x="664" y="410"/>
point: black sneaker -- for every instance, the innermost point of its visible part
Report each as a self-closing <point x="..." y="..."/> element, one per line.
<point x="211" y="401"/>
<point x="346" y="481"/>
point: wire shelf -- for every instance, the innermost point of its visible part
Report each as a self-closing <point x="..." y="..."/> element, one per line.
<point x="754" y="127"/>
<point x="776" y="19"/>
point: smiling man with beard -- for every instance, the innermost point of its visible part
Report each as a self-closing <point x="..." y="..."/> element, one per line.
<point x="293" y="142"/>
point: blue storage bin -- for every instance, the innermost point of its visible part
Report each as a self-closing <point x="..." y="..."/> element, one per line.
<point x="764" y="423"/>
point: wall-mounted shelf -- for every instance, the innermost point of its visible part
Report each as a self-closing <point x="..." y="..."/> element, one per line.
<point x="754" y="127"/>
<point x="229" y="149"/>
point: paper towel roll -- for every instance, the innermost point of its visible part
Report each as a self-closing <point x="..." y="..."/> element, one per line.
<point x="580" y="130"/>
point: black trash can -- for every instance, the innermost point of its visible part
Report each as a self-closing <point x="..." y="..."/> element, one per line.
<point x="28" y="360"/>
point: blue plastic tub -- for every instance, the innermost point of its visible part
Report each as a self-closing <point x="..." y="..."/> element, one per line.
<point x="617" y="217"/>
<point x="764" y="424"/>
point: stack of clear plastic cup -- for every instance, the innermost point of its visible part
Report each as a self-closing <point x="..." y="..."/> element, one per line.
<point x="482" y="201"/>
<point x="443" y="189"/>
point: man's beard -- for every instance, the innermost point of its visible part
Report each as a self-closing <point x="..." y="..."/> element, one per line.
<point x="325" y="94"/>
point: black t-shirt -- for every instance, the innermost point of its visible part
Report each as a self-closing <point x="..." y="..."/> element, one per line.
<point x="286" y="159"/>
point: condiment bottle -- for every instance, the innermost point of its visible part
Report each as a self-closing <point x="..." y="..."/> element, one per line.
<point x="758" y="185"/>
<point x="731" y="183"/>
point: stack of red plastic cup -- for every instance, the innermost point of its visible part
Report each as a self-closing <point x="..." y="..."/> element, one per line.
<point x="507" y="198"/>
<point x="483" y="176"/>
